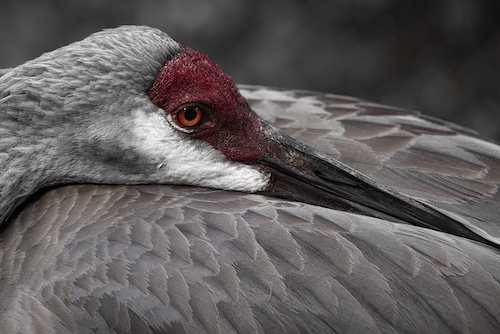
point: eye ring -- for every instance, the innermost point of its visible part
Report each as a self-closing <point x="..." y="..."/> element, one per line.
<point x="190" y="116"/>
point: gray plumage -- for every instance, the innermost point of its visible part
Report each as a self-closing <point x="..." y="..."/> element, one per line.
<point x="65" y="115"/>
<point x="174" y="259"/>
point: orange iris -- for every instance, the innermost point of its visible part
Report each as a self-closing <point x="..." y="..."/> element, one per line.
<point x="190" y="116"/>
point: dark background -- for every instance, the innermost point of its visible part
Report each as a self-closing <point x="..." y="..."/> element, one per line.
<point x="441" y="57"/>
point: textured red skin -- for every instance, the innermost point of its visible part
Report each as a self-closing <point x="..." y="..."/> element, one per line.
<point x="192" y="77"/>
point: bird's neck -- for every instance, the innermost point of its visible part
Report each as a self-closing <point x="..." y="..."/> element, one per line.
<point x="23" y="170"/>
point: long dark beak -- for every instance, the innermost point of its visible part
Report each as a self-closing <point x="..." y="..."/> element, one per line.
<point x="303" y="174"/>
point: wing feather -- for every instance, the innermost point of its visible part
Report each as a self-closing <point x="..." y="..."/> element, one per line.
<point x="293" y="268"/>
<point x="446" y="165"/>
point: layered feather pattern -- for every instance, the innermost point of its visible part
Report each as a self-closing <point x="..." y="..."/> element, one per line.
<point x="174" y="259"/>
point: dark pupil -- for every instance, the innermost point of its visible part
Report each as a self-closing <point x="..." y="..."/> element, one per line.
<point x="190" y="114"/>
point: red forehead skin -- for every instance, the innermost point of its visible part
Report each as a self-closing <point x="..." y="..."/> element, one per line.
<point x="193" y="77"/>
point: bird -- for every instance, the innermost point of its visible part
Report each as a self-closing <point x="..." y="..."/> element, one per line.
<point x="142" y="191"/>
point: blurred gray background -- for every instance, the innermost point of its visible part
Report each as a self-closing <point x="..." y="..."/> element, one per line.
<point x="441" y="57"/>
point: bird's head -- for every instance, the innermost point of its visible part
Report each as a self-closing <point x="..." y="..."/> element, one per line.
<point x="130" y="106"/>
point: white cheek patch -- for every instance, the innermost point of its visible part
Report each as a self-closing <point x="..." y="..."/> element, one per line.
<point x="182" y="160"/>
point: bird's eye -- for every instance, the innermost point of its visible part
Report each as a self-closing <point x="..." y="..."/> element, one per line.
<point x="190" y="116"/>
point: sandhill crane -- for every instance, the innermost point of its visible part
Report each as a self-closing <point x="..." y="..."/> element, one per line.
<point x="140" y="193"/>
